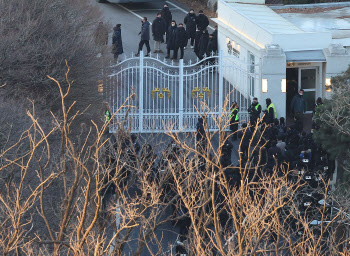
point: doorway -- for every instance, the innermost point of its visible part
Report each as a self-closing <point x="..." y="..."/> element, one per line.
<point x="301" y="78"/>
<point x="292" y="79"/>
<point x="307" y="81"/>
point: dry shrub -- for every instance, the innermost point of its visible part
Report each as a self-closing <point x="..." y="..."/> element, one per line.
<point x="36" y="39"/>
<point x="51" y="203"/>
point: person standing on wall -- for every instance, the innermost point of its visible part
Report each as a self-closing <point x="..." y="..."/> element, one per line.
<point x="196" y="42"/>
<point x="117" y="44"/>
<point x="158" y="31"/>
<point x="211" y="45"/>
<point x="181" y="40"/>
<point x="145" y="36"/>
<point x="203" y="44"/>
<point x="215" y="36"/>
<point x="202" y="21"/>
<point x="298" y="107"/>
<point x="170" y="38"/>
<point x="101" y="34"/>
<point x="234" y="120"/>
<point x="190" y="22"/>
<point x="166" y="16"/>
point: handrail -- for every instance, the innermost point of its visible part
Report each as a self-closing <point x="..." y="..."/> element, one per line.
<point x="176" y="66"/>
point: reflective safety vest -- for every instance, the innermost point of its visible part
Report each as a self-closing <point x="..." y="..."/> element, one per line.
<point x="257" y="107"/>
<point x="274" y="109"/>
<point x="108" y="115"/>
<point x="236" y="117"/>
<point x="317" y="108"/>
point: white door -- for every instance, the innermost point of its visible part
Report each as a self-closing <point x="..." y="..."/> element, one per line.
<point x="307" y="82"/>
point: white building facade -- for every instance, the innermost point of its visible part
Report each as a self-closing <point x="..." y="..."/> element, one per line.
<point x="288" y="58"/>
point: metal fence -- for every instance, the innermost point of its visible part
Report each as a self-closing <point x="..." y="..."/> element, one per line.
<point x="147" y="94"/>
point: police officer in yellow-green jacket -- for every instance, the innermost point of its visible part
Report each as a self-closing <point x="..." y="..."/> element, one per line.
<point x="234" y="119"/>
<point x="254" y="112"/>
<point x="270" y="112"/>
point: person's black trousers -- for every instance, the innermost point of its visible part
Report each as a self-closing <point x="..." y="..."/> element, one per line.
<point x="146" y="42"/>
<point x="192" y="36"/>
<point x="181" y="52"/>
<point x="234" y="128"/>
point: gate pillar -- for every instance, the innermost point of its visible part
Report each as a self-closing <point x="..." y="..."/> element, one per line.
<point x="181" y="93"/>
<point x="141" y="93"/>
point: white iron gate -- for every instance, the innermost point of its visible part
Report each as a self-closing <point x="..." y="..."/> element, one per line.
<point x="166" y="96"/>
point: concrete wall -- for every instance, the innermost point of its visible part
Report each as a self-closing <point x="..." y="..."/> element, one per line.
<point x="274" y="70"/>
<point x="338" y="61"/>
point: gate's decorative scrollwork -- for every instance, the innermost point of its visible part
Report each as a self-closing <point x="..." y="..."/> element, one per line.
<point x="181" y="91"/>
<point x="201" y="94"/>
<point x="161" y="95"/>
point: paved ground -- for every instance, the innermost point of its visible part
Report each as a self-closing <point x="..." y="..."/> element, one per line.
<point x="130" y="15"/>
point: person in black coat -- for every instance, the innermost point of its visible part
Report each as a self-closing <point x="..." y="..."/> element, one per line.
<point x="234" y="120"/>
<point x="215" y="35"/>
<point x="166" y="16"/>
<point x="273" y="155"/>
<point x="191" y="22"/>
<point x="145" y="31"/>
<point x="245" y="135"/>
<point x="254" y="112"/>
<point x="180" y="41"/>
<point x="170" y="38"/>
<point x="203" y="44"/>
<point x="117" y="42"/>
<point x="201" y="138"/>
<point x="196" y="41"/>
<point x="202" y="21"/>
<point x="158" y="31"/>
<point x="211" y="45"/>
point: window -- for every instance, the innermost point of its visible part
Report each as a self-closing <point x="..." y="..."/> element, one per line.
<point x="251" y="61"/>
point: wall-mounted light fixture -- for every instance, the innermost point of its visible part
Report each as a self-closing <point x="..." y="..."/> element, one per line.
<point x="283" y="85"/>
<point x="264" y="85"/>
<point x="238" y="47"/>
<point x="328" y="85"/>
<point x="233" y="44"/>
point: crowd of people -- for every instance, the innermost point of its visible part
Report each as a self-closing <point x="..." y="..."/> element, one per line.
<point x="265" y="141"/>
<point x="282" y="143"/>
<point x="175" y="35"/>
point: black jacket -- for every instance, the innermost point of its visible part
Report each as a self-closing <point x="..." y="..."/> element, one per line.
<point x="254" y="113"/>
<point x="145" y="30"/>
<point x="202" y="22"/>
<point x="166" y="16"/>
<point x="190" y="22"/>
<point x="298" y="104"/>
<point x="215" y="37"/>
<point x="117" y="42"/>
<point x="196" y="42"/>
<point x="246" y="136"/>
<point x="181" y="37"/>
<point x="269" y="117"/>
<point x="273" y="155"/>
<point x="210" y="47"/>
<point x="170" y="37"/>
<point x="158" y="29"/>
<point x="203" y="44"/>
<point x="200" y="135"/>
